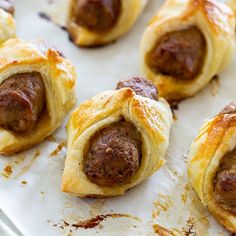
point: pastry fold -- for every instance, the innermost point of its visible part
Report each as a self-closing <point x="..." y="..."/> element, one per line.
<point x="59" y="78"/>
<point x="7" y="26"/>
<point x="129" y="13"/>
<point x="152" y="118"/>
<point x="217" y="138"/>
<point x="216" y="23"/>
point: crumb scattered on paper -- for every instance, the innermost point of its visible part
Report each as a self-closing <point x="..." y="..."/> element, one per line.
<point x="58" y="149"/>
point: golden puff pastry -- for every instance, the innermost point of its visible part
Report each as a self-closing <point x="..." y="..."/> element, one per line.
<point x="212" y="166"/>
<point x="110" y="129"/>
<point x="232" y="5"/>
<point x="7" y="26"/>
<point x="94" y="23"/>
<point x="186" y="44"/>
<point x="39" y="86"/>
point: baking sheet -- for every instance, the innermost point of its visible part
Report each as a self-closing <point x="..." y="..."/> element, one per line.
<point x="30" y="182"/>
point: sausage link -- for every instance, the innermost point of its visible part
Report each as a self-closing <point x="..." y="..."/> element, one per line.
<point x="114" y="155"/>
<point x="179" y="54"/>
<point x="22" y="99"/>
<point x="97" y="15"/>
<point x="225" y="183"/>
<point x="140" y="86"/>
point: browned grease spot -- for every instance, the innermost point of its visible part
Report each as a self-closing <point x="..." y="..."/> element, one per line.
<point x="190" y="229"/>
<point x="162" y="204"/>
<point x="7" y="171"/>
<point x="24" y="182"/>
<point x="184" y="198"/>
<point x="214" y="85"/>
<point x="161" y="231"/>
<point x="58" y="149"/>
<point x="184" y="195"/>
<point x="96" y="221"/>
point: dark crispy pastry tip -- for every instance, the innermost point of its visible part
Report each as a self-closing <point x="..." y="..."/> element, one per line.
<point x="44" y="46"/>
<point x="140" y="86"/>
<point x="22" y="99"/>
<point x="114" y="154"/>
<point x="179" y="54"/>
<point x="97" y="15"/>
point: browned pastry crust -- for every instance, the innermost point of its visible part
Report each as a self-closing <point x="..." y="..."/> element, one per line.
<point x="208" y="167"/>
<point x="113" y="19"/>
<point x="116" y="140"/>
<point x="59" y="78"/>
<point x="186" y="44"/>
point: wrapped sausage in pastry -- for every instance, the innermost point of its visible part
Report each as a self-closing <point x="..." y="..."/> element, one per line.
<point x="212" y="166"/>
<point x="98" y="22"/>
<point x="186" y="44"/>
<point x="36" y="92"/>
<point x="116" y="140"/>
<point x="7" y="23"/>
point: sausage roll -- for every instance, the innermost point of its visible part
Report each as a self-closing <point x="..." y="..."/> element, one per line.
<point x="186" y="44"/>
<point x="212" y="166"/>
<point x="116" y="140"/>
<point x="98" y="22"/>
<point x="36" y="92"/>
<point x="7" y="23"/>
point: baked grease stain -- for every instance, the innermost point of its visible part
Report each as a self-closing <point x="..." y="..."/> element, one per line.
<point x="95" y="221"/>
<point x="161" y="231"/>
<point x="161" y="205"/>
<point x="190" y="229"/>
<point x="7" y="171"/>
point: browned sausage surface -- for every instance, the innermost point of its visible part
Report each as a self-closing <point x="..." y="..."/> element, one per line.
<point x="22" y="99"/>
<point x="114" y="154"/>
<point x="140" y="86"/>
<point x="225" y="183"/>
<point x="179" y="54"/>
<point x="97" y="15"/>
<point x="8" y="6"/>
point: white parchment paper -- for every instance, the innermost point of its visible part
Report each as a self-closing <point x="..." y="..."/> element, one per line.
<point x="30" y="196"/>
